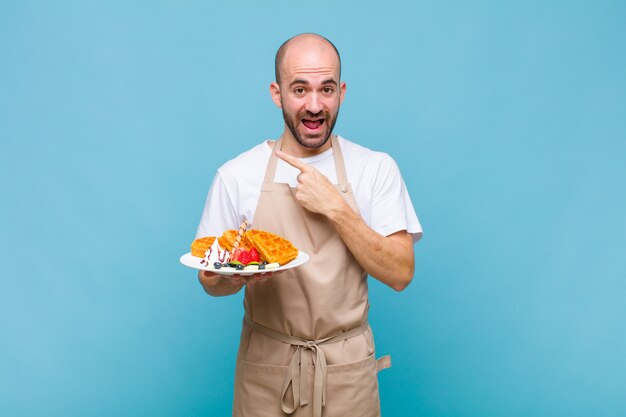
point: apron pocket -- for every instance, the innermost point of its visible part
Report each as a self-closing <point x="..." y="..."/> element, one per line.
<point x="257" y="389"/>
<point x="352" y="389"/>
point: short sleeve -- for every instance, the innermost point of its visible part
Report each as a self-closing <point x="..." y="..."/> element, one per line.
<point x="392" y="209"/>
<point x="219" y="212"/>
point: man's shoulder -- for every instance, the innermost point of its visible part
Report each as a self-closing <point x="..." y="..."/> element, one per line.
<point x="360" y="155"/>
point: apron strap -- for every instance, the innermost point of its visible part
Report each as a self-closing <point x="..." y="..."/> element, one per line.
<point x="270" y="172"/>
<point x="340" y="166"/>
<point x="383" y="362"/>
<point x="297" y="371"/>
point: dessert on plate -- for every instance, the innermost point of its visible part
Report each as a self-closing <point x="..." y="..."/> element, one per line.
<point x="244" y="250"/>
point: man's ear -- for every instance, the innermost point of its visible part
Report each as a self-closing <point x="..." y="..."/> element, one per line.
<point x="342" y="91"/>
<point x="275" y="92"/>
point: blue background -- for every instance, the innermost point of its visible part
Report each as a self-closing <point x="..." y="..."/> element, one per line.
<point x="506" y="119"/>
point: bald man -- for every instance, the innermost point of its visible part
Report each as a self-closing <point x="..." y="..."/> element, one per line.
<point x="306" y="346"/>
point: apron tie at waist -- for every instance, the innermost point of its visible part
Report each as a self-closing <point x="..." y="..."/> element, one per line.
<point x="297" y="371"/>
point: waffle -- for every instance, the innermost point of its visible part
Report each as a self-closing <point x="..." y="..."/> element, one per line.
<point x="227" y="240"/>
<point x="271" y="247"/>
<point x="200" y="246"/>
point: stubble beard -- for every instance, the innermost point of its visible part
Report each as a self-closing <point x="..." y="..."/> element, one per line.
<point x="291" y="124"/>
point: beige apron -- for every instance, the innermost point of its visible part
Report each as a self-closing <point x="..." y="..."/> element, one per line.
<point x="306" y="347"/>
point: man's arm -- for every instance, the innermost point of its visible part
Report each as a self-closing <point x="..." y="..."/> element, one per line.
<point x="389" y="259"/>
<point x="386" y="258"/>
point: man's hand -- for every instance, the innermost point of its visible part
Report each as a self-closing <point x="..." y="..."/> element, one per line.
<point x="252" y="279"/>
<point x="219" y="285"/>
<point x="314" y="191"/>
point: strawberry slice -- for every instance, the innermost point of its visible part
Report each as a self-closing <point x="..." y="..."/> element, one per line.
<point x="254" y="255"/>
<point x="244" y="257"/>
<point x="236" y="255"/>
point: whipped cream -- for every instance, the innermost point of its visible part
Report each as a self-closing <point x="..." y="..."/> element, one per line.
<point x="215" y="254"/>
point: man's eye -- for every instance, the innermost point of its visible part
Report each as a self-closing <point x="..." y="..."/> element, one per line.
<point x="299" y="90"/>
<point x="328" y="90"/>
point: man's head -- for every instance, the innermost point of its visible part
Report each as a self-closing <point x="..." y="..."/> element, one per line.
<point x="280" y="54"/>
<point x="308" y="88"/>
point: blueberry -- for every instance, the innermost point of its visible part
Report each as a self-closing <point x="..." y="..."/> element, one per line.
<point x="239" y="267"/>
<point x="262" y="266"/>
<point x="217" y="265"/>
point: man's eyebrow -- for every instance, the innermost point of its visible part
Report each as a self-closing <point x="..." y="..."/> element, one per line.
<point x="305" y="82"/>
<point x="299" y="81"/>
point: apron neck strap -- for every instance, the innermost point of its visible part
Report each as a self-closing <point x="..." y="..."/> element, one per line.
<point x="270" y="172"/>
<point x="340" y="166"/>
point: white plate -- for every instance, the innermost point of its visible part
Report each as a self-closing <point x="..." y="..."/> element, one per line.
<point x="194" y="262"/>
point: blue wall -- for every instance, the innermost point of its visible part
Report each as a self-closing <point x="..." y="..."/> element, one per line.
<point x="507" y="121"/>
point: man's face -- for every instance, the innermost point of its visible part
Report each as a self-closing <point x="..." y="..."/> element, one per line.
<point x="310" y="95"/>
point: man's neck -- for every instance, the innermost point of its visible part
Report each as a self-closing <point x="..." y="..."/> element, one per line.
<point x="291" y="146"/>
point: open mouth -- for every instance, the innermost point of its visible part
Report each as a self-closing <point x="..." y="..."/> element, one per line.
<point x="313" y="124"/>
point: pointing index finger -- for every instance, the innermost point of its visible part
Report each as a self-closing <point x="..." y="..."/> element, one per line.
<point x="293" y="161"/>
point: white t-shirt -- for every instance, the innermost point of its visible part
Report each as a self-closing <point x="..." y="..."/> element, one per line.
<point x="379" y="190"/>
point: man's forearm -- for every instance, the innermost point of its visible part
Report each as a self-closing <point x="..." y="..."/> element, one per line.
<point x="386" y="258"/>
<point x="217" y="285"/>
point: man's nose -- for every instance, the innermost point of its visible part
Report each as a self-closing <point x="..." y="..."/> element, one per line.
<point x="313" y="104"/>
